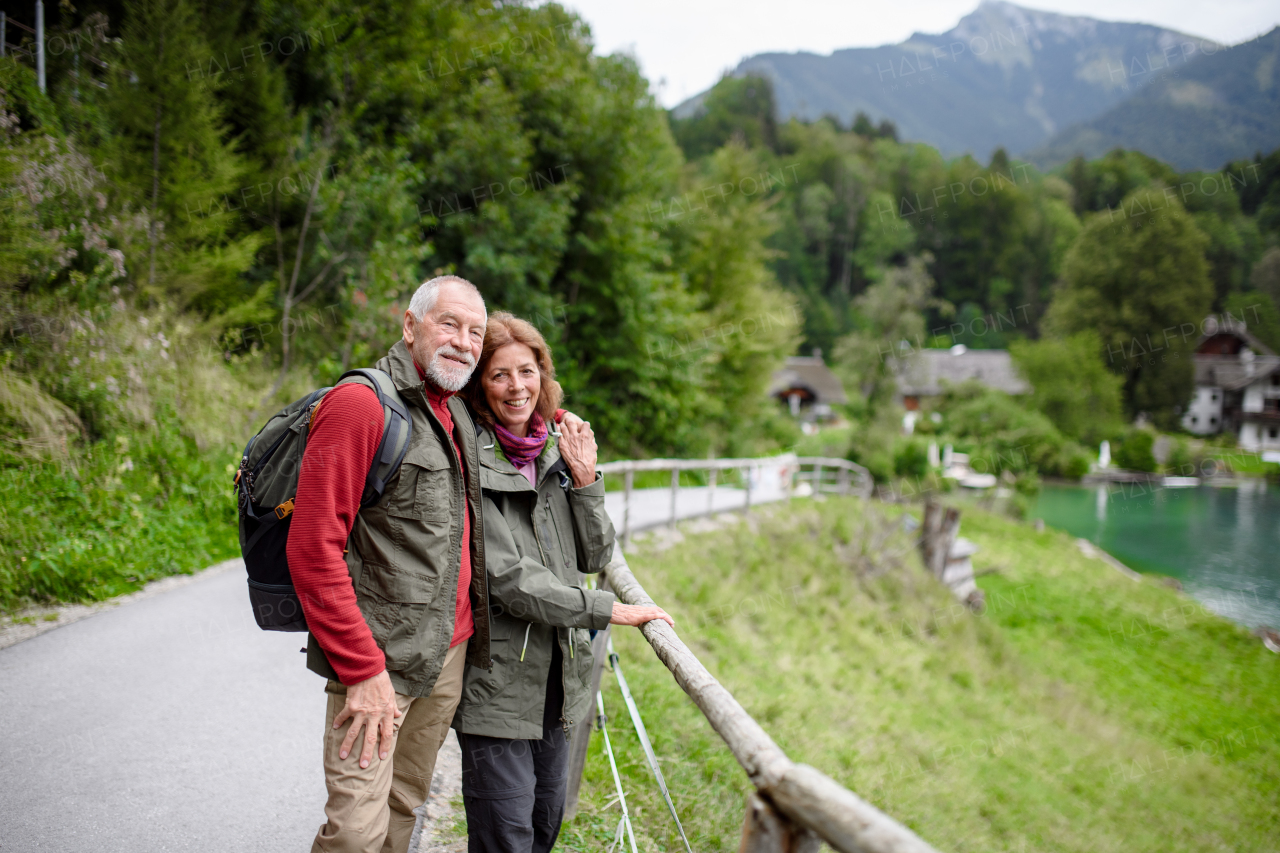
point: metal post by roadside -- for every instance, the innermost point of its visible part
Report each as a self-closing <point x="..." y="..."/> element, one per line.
<point x="40" y="45"/>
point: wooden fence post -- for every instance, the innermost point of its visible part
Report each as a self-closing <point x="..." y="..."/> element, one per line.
<point x="766" y="831"/>
<point x="675" y="489"/>
<point x="711" y="492"/>
<point x="937" y="534"/>
<point x="628" y="477"/>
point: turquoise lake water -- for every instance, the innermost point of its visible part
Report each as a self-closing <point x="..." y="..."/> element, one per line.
<point x="1223" y="544"/>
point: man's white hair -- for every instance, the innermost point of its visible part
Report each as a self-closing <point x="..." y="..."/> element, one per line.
<point x="424" y="299"/>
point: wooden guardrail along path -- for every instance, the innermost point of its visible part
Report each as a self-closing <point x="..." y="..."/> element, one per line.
<point x="819" y="474"/>
<point x="793" y="799"/>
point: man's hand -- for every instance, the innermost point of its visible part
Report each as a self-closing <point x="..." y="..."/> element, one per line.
<point x="371" y="705"/>
<point x="637" y="615"/>
<point x="578" y="449"/>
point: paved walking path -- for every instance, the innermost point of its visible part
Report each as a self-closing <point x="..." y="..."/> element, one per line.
<point x="171" y="723"/>
<point x="652" y="507"/>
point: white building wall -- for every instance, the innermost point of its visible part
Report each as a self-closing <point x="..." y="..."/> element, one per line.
<point x="1249" y="437"/>
<point x="1253" y="398"/>
<point x="1204" y="415"/>
<point x="1258" y="437"/>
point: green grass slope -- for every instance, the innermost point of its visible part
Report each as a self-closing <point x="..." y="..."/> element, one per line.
<point x="1081" y="712"/>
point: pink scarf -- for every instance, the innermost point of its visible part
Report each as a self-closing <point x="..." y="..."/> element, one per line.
<point x="521" y="451"/>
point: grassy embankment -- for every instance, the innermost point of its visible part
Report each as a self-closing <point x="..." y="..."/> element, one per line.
<point x="132" y="427"/>
<point x="1081" y="712"/>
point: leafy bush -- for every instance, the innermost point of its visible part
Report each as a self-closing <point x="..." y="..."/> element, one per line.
<point x="120" y="430"/>
<point x="118" y="515"/>
<point x="911" y="459"/>
<point x="1071" y="385"/>
<point x="1135" y="453"/>
<point x="1181" y="460"/>
<point x="1001" y="435"/>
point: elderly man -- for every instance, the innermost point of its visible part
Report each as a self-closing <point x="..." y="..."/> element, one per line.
<point x="394" y="594"/>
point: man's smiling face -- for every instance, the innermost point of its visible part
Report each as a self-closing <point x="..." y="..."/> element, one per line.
<point x="447" y="341"/>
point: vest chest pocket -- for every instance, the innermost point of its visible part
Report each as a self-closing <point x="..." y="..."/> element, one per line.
<point x="426" y="485"/>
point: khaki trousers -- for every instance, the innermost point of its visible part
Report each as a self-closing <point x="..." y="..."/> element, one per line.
<point x="371" y="810"/>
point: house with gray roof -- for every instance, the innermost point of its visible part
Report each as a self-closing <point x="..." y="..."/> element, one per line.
<point x="928" y="372"/>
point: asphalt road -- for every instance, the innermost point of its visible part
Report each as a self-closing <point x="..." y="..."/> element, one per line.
<point x="172" y="724"/>
<point x="168" y="724"/>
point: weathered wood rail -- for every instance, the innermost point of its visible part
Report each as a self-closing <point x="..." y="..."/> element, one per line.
<point x="793" y="802"/>
<point x="820" y="474"/>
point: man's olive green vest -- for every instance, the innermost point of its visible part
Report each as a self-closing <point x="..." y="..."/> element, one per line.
<point x="405" y="552"/>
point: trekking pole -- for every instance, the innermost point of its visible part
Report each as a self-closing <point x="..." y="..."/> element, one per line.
<point x="625" y="822"/>
<point x="644" y="741"/>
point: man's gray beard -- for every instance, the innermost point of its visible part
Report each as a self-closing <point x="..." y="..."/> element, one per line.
<point x="448" y="378"/>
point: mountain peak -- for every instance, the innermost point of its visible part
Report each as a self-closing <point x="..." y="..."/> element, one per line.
<point x="1003" y="76"/>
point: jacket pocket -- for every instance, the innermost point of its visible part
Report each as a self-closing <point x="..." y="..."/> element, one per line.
<point x="393" y="604"/>
<point x="428" y="493"/>
<point x="582" y="656"/>
<point x="479" y="685"/>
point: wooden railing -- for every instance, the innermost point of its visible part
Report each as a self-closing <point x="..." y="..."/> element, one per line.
<point x="793" y="805"/>
<point x="820" y="474"/>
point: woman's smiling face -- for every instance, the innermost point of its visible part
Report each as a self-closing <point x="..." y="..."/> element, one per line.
<point x="511" y="384"/>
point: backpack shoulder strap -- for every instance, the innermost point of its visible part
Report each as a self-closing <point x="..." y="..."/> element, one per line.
<point x="397" y="429"/>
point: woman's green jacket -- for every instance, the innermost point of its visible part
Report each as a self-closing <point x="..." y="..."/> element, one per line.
<point x="538" y="543"/>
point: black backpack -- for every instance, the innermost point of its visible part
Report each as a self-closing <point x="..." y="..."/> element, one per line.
<point x="267" y="484"/>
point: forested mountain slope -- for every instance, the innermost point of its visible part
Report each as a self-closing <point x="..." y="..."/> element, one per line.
<point x="1200" y="116"/>
<point x="1004" y="76"/>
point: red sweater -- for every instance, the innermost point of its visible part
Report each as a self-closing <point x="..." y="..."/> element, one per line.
<point x="344" y="436"/>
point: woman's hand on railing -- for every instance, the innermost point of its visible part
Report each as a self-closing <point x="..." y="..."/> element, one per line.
<point x="578" y="449"/>
<point x="636" y="615"/>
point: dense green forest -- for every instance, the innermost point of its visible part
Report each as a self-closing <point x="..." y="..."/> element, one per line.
<point x="215" y="207"/>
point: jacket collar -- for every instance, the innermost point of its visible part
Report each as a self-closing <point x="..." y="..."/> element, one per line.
<point x="399" y="364"/>
<point x="491" y="457"/>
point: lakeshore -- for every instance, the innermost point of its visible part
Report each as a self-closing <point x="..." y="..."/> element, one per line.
<point x="1220" y="544"/>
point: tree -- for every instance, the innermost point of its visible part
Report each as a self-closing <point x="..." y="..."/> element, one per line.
<point x="736" y="107"/>
<point x="1138" y="277"/>
<point x="1265" y="276"/>
<point x="1071" y="385"/>
<point x="174" y="159"/>
<point x="1260" y="315"/>
<point x="892" y="326"/>
<point x="747" y="323"/>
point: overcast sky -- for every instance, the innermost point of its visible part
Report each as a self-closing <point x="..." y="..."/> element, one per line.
<point x="690" y="43"/>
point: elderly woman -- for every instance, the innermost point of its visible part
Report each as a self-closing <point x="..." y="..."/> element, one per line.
<point x="544" y="525"/>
